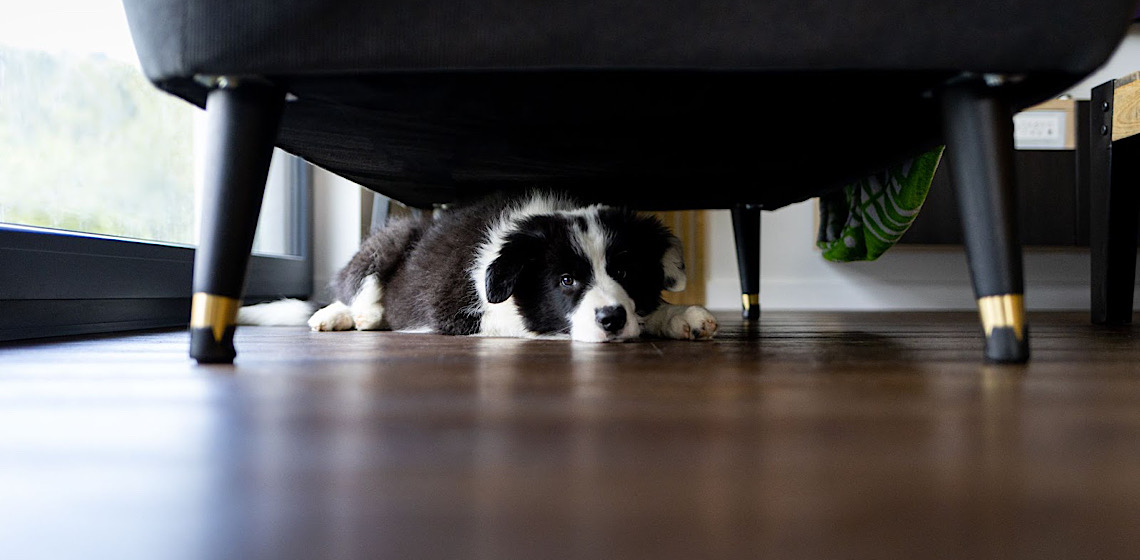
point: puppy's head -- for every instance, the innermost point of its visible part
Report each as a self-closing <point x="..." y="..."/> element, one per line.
<point x="589" y="273"/>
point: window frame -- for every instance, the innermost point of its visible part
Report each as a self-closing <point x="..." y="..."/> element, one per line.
<point x="56" y="283"/>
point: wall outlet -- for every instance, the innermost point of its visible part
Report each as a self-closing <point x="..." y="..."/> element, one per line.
<point x="1040" y="130"/>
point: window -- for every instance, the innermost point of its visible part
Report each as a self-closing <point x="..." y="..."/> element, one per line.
<point x="100" y="183"/>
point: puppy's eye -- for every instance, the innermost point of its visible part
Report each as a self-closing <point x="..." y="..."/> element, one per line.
<point x="619" y="274"/>
<point x="567" y="280"/>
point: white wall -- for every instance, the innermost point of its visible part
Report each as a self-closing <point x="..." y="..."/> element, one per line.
<point x="336" y="227"/>
<point x="793" y="275"/>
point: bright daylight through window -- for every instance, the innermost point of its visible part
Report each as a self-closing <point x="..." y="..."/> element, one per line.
<point x="89" y="145"/>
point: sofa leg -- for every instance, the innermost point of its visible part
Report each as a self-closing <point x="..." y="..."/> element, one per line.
<point x="746" y="227"/>
<point x="979" y="133"/>
<point x="242" y="126"/>
<point x="1114" y="200"/>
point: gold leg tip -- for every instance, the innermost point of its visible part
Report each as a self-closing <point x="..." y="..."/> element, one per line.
<point x="214" y="312"/>
<point x="1003" y="311"/>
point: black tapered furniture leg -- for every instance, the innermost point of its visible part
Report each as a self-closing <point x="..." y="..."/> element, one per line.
<point x="978" y="126"/>
<point x="1114" y="205"/>
<point x="746" y="226"/>
<point x="243" y="117"/>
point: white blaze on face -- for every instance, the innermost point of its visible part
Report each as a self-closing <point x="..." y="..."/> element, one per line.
<point x="603" y="290"/>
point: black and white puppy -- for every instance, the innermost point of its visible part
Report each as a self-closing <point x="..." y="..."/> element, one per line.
<point x="532" y="265"/>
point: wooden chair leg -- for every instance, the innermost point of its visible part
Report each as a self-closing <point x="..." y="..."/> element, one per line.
<point x="746" y="226"/>
<point x="979" y="133"/>
<point x="1114" y="206"/>
<point x="243" y="117"/>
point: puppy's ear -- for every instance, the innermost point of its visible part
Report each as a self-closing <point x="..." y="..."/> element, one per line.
<point x="517" y="252"/>
<point x="673" y="265"/>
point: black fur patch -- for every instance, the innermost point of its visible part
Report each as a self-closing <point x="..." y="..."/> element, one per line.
<point x="433" y="289"/>
<point x="633" y="257"/>
<point x="532" y="265"/>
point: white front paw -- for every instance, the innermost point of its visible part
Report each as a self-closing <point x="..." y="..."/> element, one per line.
<point x="368" y="318"/>
<point x="335" y="317"/>
<point x="694" y="323"/>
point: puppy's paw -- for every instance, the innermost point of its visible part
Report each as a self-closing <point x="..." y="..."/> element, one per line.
<point x="694" y="323"/>
<point x="368" y="318"/>
<point x="335" y="317"/>
<point x="367" y="313"/>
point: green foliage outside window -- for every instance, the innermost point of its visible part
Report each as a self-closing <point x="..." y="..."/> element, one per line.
<point x="87" y="144"/>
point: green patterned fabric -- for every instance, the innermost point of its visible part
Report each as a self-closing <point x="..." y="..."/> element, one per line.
<point x="862" y="220"/>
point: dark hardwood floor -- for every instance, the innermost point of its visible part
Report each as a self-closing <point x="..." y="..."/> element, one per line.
<point x="810" y="436"/>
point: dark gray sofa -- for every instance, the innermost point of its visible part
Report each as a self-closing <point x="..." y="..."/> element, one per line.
<point x="655" y="104"/>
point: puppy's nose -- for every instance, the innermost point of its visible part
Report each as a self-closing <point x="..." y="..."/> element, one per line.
<point x="611" y="318"/>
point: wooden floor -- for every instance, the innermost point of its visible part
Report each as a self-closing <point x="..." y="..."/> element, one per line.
<point x="810" y="436"/>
